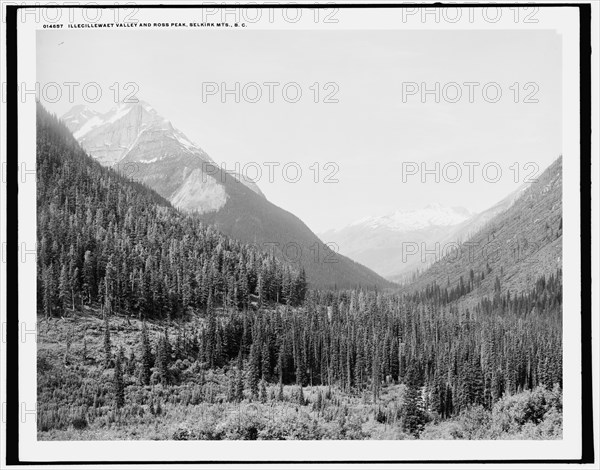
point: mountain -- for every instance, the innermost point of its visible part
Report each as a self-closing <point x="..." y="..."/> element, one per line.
<point x="510" y="245"/>
<point x="135" y="139"/>
<point x="141" y="144"/>
<point x="385" y="243"/>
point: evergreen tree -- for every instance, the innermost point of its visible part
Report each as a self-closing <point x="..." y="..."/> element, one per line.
<point x="263" y="391"/>
<point x="162" y="361"/>
<point x="64" y="289"/>
<point x="118" y="382"/>
<point x="146" y="356"/>
<point x="300" y="396"/>
<point x="239" y="384"/>
<point x="266" y="362"/>
<point x="413" y="415"/>
<point x="107" y="342"/>
<point x="254" y="370"/>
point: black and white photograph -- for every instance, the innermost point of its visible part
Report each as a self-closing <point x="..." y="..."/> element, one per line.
<point x="311" y="225"/>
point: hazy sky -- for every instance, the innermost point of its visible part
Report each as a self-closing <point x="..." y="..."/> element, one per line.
<point x="368" y="134"/>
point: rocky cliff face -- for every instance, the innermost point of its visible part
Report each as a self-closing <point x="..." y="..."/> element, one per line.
<point x="135" y="140"/>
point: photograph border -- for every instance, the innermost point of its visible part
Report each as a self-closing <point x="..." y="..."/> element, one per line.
<point x="12" y="189"/>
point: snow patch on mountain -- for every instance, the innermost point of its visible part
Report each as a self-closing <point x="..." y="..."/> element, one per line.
<point x="119" y="112"/>
<point x="432" y="215"/>
<point x="183" y="140"/>
<point x="379" y="242"/>
<point x="200" y="193"/>
<point x="94" y="122"/>
<point x="78" y="116"/>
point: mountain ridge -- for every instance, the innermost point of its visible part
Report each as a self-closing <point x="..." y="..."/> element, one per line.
<point x="518" y="243"/>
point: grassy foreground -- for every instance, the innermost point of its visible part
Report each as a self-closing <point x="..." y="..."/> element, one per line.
<point x="76" y="399"/>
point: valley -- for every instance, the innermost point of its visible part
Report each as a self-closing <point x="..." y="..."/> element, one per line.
<point x="162" y="323"/>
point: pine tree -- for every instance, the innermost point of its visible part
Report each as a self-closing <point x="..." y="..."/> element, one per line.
<point x="266" y="362"/>
<point x="64" y="289"/>
<point x="118" y="382"/>
<point x="48" y="291"/>
<point x="413" y="415"/>
<point x="239" y="386"/>
<point x="75" y="287"/>
<point x="131" y="361"/>
<point x="107" y="343"/>
<point x="254" y="370"/>
<point x="263" y="391"/>
<point x="89" y="278"/>
<point x="146" y="356"/>
<point x="239" y="378"/>
<point x="375" y="374"/>
<point x="299" y="290"/>
<point x="300" y="396"/>
<point x="84" y="352"/>
<point x="162" y="361"/>
<point x="318" y="405"/>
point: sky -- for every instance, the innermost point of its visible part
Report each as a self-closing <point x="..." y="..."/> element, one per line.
<point x="361" y="155"/>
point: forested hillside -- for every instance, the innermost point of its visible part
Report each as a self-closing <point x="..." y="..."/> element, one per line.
<point x="104" y="239"/>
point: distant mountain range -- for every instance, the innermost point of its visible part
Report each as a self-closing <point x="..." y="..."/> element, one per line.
<point x="403" y="244"/>
<point x="135" y="140"/>
<point x="382" y="243"/>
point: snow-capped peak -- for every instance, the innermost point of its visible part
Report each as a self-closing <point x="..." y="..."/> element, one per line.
<point x="133" y="132"/>
<point x="78" y="116"/>
<point x="81" y="120"/>
<point x="109" y="136"/>
<point x="122" y="125"/>
<point x="432" y="215"/>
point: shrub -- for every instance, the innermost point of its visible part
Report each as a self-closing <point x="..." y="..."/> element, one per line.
<point x="380" y="416"/>
<point x="291" y="427"/>
<point x="182" y="434"/>
<point x="241" y="426"/>
<point x="511" y="413"/>
<point x="79" y="423"/>
<point x="474" y="422"/>
<point x="445" y="430"/>
<point x="533" y="414"/>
